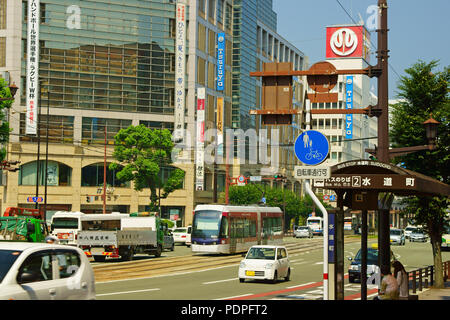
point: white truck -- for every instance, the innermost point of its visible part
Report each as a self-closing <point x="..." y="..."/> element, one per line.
<point x="123" y="237"/>
<point x="65" y="225"/>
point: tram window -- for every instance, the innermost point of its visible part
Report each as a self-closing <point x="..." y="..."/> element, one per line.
<point x="224" y="228"/>
<point x="246" y="228"/>
<point x="240" y="228"/>
<point x="252" y="228"/>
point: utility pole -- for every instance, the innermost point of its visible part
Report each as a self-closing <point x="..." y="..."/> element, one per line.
<point x="383" y="131"/>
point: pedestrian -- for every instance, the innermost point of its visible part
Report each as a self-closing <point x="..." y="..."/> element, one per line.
<point x="402" y="279"/>
<point x="389" y="286"/>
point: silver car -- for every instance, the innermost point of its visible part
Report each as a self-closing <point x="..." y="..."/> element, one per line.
<point x="418" y="235"/>
<point x="397" y="236"/>
<point x="41" y="271"/>
<point x="303" y="232"/>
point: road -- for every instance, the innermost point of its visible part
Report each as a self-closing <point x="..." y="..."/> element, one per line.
<point x="180" y="275"/>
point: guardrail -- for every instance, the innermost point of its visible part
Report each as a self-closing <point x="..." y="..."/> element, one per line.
<point x="424" y="277"/>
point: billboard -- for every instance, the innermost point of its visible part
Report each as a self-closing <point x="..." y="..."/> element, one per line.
<point x="32" y="67"/>
<point x="349" y="105"/>
<point x="200" y="144"/>
<point x="220" y="70"/>
<point x="180" y="72"/>
<point x="347" y="42"/>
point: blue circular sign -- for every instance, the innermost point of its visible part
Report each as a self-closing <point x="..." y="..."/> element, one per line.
<point x="311" y="147"/>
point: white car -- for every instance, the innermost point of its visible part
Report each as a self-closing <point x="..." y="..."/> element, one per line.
<point x="409" y="230"/>
<point x="41" y="271"/>
<point x="182" y="235"/>
<point x="265" y="262"/>
<point x="303" y="232"/>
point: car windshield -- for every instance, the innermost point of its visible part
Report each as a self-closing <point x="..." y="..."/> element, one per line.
<point x="261" y="253"/>
<point x="396" y="232"/>
<point x="181" y="230"/>
<point x="372" y="256"/>
<point x="7" y="258"/>
<point x="410" y="229"/>
<point x="302" y="228"/>
<point x="418" y="231"/>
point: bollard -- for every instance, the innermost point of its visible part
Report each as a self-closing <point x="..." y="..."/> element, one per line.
<point x="420" y="279"/>
<point x="414" y="281"/>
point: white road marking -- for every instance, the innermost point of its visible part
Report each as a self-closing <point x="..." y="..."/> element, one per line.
<point x="300" y="285"/>
<point x="243" y="295"/>
<point x="321" y="262"/>
<point x="125" y="292"/>
<point x="217" y="281"/>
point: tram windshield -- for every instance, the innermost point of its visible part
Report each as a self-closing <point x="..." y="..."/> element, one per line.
<point x="209" y="224"/>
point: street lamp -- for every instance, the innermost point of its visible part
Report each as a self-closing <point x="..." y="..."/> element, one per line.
<point x="13" y="89"/>
<point x="431" y="131"/>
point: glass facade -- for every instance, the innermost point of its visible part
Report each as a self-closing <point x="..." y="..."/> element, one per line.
<point x="112" y="56"/>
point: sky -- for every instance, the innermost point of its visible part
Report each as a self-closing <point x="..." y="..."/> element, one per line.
<point x="417" y="29"/>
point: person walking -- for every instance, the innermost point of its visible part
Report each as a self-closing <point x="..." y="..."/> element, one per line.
<point x="402" y="279"/>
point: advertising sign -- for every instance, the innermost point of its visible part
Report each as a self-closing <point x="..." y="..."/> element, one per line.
<point x="349" y="105"/>
<point x="219" y="125"/>
<point x="32" y="67"/>
<point x="220" y="73"/>
<point x="180" y="66"/>
<point x="200" y="145"/>
<point x="347" y="42"/>
<point x="311" y="147"/>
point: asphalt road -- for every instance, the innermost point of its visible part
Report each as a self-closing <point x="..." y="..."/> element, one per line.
<point x="221" y="283"/>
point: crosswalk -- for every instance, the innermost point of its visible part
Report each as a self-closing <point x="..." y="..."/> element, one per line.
<point x="350" y="290"/>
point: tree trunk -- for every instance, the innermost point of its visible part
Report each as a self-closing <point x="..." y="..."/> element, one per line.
<point x="437" y="258"/>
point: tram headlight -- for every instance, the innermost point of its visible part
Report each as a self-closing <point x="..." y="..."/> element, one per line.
<point x="269" y="266"/>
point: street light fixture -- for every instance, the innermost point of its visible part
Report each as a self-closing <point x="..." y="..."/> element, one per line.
<point x="431" y="131"/>
<point x="13" y="89"/>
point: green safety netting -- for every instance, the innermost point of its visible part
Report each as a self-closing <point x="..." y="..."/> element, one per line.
<point x="13" y="225"/>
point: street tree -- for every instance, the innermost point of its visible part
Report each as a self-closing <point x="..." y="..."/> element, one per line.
<point x="424" y="92"/>
<point x="4" y="125"/>
<point x="141" y="154"/>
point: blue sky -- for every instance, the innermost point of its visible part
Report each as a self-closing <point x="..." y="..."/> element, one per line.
<point x="418" y="29"/>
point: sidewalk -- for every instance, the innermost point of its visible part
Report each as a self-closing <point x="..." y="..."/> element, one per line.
<point x="435" y="294"/>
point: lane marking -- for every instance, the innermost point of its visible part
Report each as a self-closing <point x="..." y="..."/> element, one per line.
<point x="126" y="292"/>
<point x="234" y="297"/>
<point x="217" y="281"/>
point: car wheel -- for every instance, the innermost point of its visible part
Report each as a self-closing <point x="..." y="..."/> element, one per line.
<point x="288" y="276"/>
<point x="241" y="280"/>
<point x="275" y="277"/>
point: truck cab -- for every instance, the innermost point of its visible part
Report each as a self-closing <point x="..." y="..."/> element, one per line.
<point x="21" y="228"/>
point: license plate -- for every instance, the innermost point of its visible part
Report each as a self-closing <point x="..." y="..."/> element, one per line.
<point x="250" y="273"/>
<point x="97" y="251"/>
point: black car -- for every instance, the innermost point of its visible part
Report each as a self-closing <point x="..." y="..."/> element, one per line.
<point x="354" y="272"/>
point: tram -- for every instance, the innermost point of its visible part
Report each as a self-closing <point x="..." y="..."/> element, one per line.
<point x="224" y="229"/>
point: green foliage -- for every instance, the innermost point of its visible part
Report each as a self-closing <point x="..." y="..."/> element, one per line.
<point x="140" y="153"/>
<point x="4" y="126"/>
<point x="424" y="92"/>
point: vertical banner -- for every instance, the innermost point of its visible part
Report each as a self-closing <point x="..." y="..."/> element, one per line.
<point x="32" y="67"/>
<point x="180" y="66"/>
<point x="219" y="125"/>
<point x="331" y="234"/>
<point x="200" y="144"/>
<point x="220" y="70"/>
<point x="349" y="105"/>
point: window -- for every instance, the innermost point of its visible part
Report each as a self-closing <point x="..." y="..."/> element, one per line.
<point x="228" y="21"/>
<point x="220" y="11"/>
<point x="68" y="262"/>
<point x="93" y="130"/>
<point x="92" y="176"/>
<point x="39" y="265"/>
<point x="60" y="128"/>
<point x="2" y="51"/>
<point x="211" y="10"/>
<point x="2" y="14"/>
<point x="58" y="174"/>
